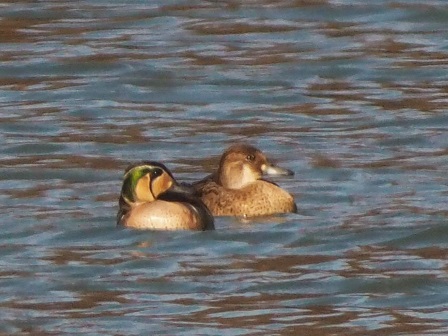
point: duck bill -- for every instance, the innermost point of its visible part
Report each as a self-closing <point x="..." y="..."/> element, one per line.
<point x="269" y="169"/>
<point x="182" y="188"/>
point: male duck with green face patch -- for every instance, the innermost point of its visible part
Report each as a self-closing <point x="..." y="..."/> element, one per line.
<point x="152" y="199"/>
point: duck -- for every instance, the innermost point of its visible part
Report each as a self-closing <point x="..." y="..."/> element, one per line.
<point x="237" y="187"/>
<point x="152" y="199"/>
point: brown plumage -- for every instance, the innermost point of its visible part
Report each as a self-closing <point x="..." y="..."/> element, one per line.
<point x="237" y="187"/>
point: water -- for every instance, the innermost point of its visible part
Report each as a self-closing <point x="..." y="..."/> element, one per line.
<point x="350" y="95"/>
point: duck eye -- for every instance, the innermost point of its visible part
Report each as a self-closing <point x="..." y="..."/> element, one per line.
<point x="156" y="172"/>
<point x="250" y="157"/>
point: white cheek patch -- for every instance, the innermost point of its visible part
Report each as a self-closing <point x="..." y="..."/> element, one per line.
<point x="248" y="176"/>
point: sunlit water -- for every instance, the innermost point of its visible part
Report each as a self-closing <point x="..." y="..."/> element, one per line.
<point x="351" y="95"/>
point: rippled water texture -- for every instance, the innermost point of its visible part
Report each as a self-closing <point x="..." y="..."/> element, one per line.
<point x="351" y="95"/>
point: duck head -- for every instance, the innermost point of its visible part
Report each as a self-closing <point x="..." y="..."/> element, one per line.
<point x="242" y="164"/>
<point x="146" y="181"/>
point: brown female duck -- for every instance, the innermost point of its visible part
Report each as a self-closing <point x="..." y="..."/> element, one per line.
<point x="238" y="189"/>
